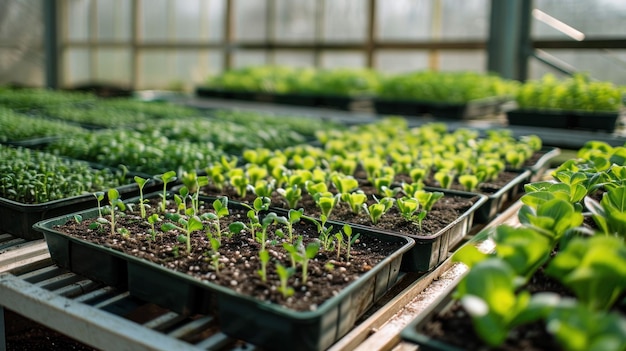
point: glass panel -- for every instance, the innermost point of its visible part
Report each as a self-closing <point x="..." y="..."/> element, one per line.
<point x="249" y="58"/>
<point x="216" y="12"/>
<point x="78" y="19"/>
<point x="343" y="59"/>
<point x="345" y="20"/>
<point x="451" y="60"/>
<point x="607" y="65"/>
<point x="250" y="19"/>
<point x="113" y="66"/>
<point x="403" y="19"/>
<point x="168" y="70"/>
<point x="114" y="22"/>
<point x="592" y="17"/>
<point x="187" y="20"/>
<point x="153" y="15"/>
<point x="467" y="19"/>
<point x="294" y="59"/>
<point x="401" y="61"/>
<point x="22" y="67"/>
<point x="76" y="67"/>
<point x="295" y="19"/>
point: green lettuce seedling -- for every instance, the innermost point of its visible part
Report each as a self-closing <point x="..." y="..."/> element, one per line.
<point x="166" y="178"/>
<point x="215" y="253"/>
<point x="355" y="200"/>
<point x="99" y="197"/>
<point x="553" y="218"/>
<point x="292" y="194"/>
<point x="259" y="204"/>
<point x="578" y="329"/>
<point x="114" y="203"/>
<point x="468" y="181"/>
<point x="376" y="210"/>
<point x="344" y="184"/>
<point x="610" y="213"/>
<point x="594" y="268"/>
<point x="141" y="182"/>
<point x="284" y="274"/>
<point x="186" y="226"/>
<point x="220" y="206"/>
<point x="350" y="239"/>
<point x="152" y="220"/>
<point x="489" y="294"/>
<point x="428" y="198"/>
<point x="407" y="206"/>
<point x="264" y="188"/>
<point x="444" y="178"/>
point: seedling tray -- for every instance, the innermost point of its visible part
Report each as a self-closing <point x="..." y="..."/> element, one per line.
<point x="266" y="325"/>
<point x="583" y="120"/>
<point x="543" y="163"/>
<point x="498" y="201"/>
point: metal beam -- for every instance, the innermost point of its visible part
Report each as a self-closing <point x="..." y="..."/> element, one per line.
<point x="503" y="43"/>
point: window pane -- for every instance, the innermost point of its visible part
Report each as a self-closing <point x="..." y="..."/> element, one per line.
<point x="608" y="65"/>
<point x="451" y="60"/>
<point x="295" y="19"/>
<point x="187" y="20"/>
<point x="114" y="19"/>
<point x="591" y="17"/>
<point x="401" y="61"/>
<point x="467" y="19"/>
<point x="250" y="19"/>
<point x="345" y="20"/>
<point x="404" y="19"/>
<point x="249" y="58"/>
<point x="294" y="59"/>
<point x="76" y="68"/>
<point x="113" y="66"/>
<point x="78" y="19"/>
<point x="154" y="20"/>
<point x="343" y="59"/>
<point x="215" y="19"/>
<point x="162" y="69"/>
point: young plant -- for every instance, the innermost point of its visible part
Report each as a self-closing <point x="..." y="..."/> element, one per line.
<point x="469" y="181"/>
<point x="259" y="204"/>
<point x="215" y="253"/>
<point x="185" y="225"/>
<point x="292" y="194"/>
<point x="407" y="206"/>
<point x="220" y="206"/>
<point x="99" y="197"/>
<point x="114" y="203"/>
<point x="264" y="258"/>
<point x="444" y="178"/>
<point x="293" y="217"/>
<point x="610" y="213"/>
<point x="141" y="182"/>
<point x="355" y="200"/>
<point x="350" y="239"/>
<point x="307" y="253"/>
<point x="594" y="268"/>
<point x="428" y="199"/>
<point x="166" y="178"/>
<point x="284" y="273"/>
<point x="326" y="202"/>
<point x="553" y="217"/>
<point x="376" y="210"/>
<point x="152" y="221"/>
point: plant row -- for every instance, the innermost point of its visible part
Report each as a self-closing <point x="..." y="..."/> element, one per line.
<point x="451" y="87"/>
<point x="33" y="177"/>
<point x="587" y="258"/>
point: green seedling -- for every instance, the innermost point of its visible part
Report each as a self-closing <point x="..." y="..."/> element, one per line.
<point x="240" y="183"/>
<point x="610" y="213"/>
<point x="417" y="176"/>
<point x="553" y="218"/>
<point x="350" y="239"/>
<point x="284" y="274"/>
<point x="259" y="204"/>
<point x="594" y="268"/>
<point x="264" y="258"/>
<point x="166" y="178"/>
<point x="152" y="221"/>
<point x="376" y="210"/>
<point x="99" y="197"/>
<point x="444" y="178"/>
<point x="355" y="200"/>
<point x="215" y="253"/>
<point x="186" y="226"/>
<point x="292" y="195"/>
<point x="114" y="203"/>
<point x="407" y="206"/>
<point x="264" y="188"/>
<point x="428" y="199"/>
<point x="141" y="182"/>
<point x="293" y="217"/>
<point x="220" y="206"/>
<point x="344" y="184"/>
<point x="314" y="188"/>
<point x="469" y="181"/>
<point x="326" y="202"/>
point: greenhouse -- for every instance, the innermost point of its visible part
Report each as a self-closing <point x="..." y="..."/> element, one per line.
<point x="313" y="175"/>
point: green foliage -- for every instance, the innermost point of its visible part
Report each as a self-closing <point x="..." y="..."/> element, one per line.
<point x="610" y="214"/>
<point x="376" y="210"/>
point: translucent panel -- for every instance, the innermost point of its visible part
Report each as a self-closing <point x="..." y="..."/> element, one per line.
<point x="467" y="19"/>
<point x="76" y="67"/>
<point x="250" y="18"/>
<point x="591" y="17"/>
<point x="343" y="59"/>
<point x="114" y="22"/>
<point x="187" y="20"/>
<point x="22" y="67"/>
<point x="451" y="60"/>
<point x="607" y="65"/>
<point x="294" y="58"/>
<point x="167" y="70"/>
<point x="215" y="19"/>
<point x="404" y="19"/>
<point x="78" y="19"/>
<point x="154" y="19"/>
<point x="295" y="19"/>
<point x="113" y="66"/>
<point x="401" y="61"/>
<point x="345" y="20"/>
<point x="21" y="23"/>
<point x="249" y="58"/>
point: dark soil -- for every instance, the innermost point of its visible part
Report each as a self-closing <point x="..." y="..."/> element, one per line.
<point x="238" y="257"/>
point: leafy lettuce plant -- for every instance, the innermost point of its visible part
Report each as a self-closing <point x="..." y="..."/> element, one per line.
<point x="594" y="268"/>
<point x="552" y="216"/>
<point x="376" y="210"/>
<point x="610" y="213"/>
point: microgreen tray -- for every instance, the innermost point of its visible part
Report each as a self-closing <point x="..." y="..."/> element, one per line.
<point x="501" y="199"/>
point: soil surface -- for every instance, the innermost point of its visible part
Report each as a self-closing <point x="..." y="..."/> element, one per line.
<point x="238" y="256"/>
